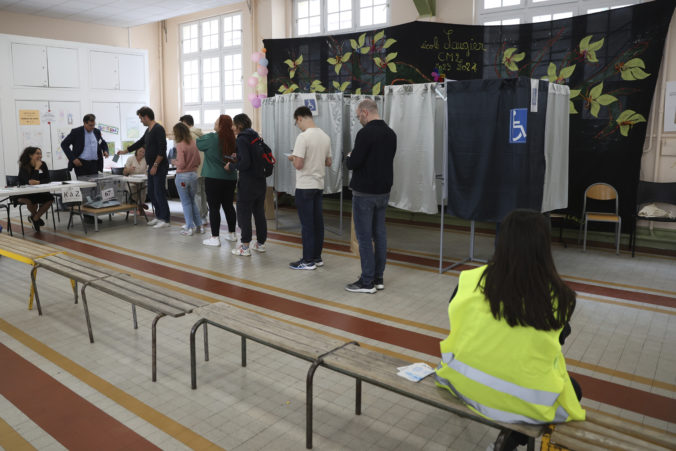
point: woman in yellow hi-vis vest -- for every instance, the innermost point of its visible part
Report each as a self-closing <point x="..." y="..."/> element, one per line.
<point x="508" y="320"/>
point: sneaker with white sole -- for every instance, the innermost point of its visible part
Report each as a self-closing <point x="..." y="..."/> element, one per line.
<point x="239" y="250"/>
<point x="230" y="236"/>
<point x="161" y="225"/>
<point x="152" y="222"/>
<point x="318" y="262"/>
<point x="213" y="241"/>
<point x="379" y="283"/>
<point x="301" y="264"/>
<point x="360" y="287"/>
<point x="258" y="247"/>
<point x="187" y="232"/>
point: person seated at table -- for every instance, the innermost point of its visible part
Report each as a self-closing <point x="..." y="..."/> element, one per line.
<point x="508" y="320"/>
<point x="136" y="164"/>
<point x="33" y="171"/>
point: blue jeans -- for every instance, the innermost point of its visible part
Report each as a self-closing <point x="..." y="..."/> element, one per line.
<point x="157" y="193"/>
<point x="309" y="205"/>
<point x="368" y="213"/>
<point x="186" y="185"/>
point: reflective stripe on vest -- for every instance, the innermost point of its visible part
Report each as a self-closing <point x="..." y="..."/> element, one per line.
<point x="500" y="415"/>
<point x="533" y="396"/>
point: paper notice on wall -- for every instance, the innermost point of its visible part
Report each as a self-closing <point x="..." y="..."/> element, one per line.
<point x="109" y="129"/>
<point x="133" y="128"/>
<point x="32" y="138"/>
<point x="310" y="101"/>
<point x="29" y="117"/>
<point x="48" y="117"/>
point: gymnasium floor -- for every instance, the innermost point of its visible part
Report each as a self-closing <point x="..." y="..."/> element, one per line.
<point x="58" y="391"/>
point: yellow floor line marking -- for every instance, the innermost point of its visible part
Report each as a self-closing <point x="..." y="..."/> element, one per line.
<point x="12" y="440"/>
<point x="137" y="407"/>
<point x="623" y="375"/>
<point x="592" y="367"/>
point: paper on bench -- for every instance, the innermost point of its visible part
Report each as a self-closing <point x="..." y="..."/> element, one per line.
<point x="415" y="372"/>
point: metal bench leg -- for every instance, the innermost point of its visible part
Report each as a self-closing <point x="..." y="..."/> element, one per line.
<point x="154" y="332"/>
<point x="73" y="283"/>
<point x="531" y="444"/>
<point x="206" y="344"/>
<point x="357" y="398"/>
<point x="34" y="288"/>
<point x="133" y="314"/>
<point x="193" y="363"/>
<point x="308" y="402"/>
<point x="243" y="351"/>
<point x="86" y="310"/>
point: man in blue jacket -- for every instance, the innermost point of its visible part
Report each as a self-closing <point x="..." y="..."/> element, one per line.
<point x="371" y="162"/>
<point x="85" y="148"/>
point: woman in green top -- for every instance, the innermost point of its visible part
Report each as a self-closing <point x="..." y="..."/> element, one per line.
<point x="219" y="184"/>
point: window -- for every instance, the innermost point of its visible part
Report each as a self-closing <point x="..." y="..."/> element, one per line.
<point x="211" y="68"/>
<point x="511" y="12"/>
<point x="313" y="17"/>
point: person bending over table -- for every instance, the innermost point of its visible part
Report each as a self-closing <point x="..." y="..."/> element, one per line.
<point x="136" y="164"/>
<point x="508" y="320"/>
<point x="33" y="171"/>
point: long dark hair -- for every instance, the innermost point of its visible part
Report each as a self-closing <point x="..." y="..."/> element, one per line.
<point x="226" y="137"/>
<point x="25" y="158"/>
<point x="521" y="282"/>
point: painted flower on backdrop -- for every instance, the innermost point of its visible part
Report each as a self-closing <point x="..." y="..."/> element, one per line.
<point x="338" y="61"/>
<point x="627" y="119"/>
<point x="293" y="65"/>
<point x="632" y="70"/>
<point x="559" y="78"/>
<point x="588" y="49"/>
<point x="509" y="59"/>
<point x="596" y="99"/>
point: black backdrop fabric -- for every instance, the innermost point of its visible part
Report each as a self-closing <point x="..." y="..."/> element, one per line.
<point x="609" y="59"/>
<point x="487" y="175"/>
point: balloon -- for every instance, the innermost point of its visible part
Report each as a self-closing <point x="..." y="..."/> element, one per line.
<point x="262" y="71"/>
<point x="253" y="81"/>
<point x="263" y="61"/>
<point x="255" y="56"/>
<point x="256" y="103"/>
<point x="251" y="96"/>
<point x="264" y="50"/>
<point x="262" y="96"/>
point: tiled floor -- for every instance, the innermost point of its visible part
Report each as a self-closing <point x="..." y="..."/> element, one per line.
<point x="623" y="342"/>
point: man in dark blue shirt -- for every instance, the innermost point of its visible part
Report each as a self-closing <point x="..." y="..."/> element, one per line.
<point x="371" y="162"/>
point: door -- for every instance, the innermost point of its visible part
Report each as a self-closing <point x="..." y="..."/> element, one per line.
<point x="66" y="117"/>
<point x="32" y="129"/>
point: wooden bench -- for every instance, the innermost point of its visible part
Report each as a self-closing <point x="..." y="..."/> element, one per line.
<point x="346" y="358"/>
<point x="159" y="300"/>
<point x="96" y="212"/>
<point x="26" y="252"/>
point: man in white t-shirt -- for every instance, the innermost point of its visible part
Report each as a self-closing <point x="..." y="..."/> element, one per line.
<point x="311" y="154"/>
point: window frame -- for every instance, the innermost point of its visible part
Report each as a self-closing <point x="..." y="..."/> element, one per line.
<point x="221" y="51"/>
<point x="323" y="16"/>
<point x="529" y="9"/>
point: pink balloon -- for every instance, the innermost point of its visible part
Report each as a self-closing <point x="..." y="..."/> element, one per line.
<point x="262" y="96"/>
<point x="251" y="96"/>
<point x="253" y="81"/>
<point x="256" y="103"/>
<point x="262" y="71"/>
<point x="255" y="56"/>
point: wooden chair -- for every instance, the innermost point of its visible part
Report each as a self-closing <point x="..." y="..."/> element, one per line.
<point x="601" y="192"/>
<point x="649" y="192"/>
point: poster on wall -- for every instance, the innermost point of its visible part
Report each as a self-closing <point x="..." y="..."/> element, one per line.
<point x="670" y="107"/>
<point x="29" y="117"/>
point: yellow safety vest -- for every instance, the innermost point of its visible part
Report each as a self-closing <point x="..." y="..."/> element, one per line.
<point x="508" y="374"/>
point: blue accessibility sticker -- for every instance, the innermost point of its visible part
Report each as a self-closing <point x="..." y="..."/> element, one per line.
<point x="518" y="120"/>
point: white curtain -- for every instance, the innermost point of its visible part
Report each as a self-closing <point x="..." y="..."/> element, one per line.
<point x="555" y="191"/>
<point x="330" y="120"/>
<point x="410" y="112"/>
<point x="268" y="130"/>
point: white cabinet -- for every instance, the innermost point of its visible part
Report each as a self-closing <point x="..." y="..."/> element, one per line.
<point x="120" y="71"/>
<point x="104" y="70"/>
<point x="29" y="64"/>
<point x="63" y="67"/>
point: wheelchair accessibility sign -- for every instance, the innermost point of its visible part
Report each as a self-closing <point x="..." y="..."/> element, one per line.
<point x="518" y="119"/>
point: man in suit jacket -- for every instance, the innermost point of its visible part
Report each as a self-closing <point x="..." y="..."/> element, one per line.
<point x="85" y="148"/>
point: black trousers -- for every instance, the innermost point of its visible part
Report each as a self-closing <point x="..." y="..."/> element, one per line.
<point x="245" y="209"/>
<point x="220" y="194"/>
<point x="88" y="167"/>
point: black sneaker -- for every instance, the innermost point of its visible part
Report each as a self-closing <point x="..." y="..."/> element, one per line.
<point x="319" y="262"/>
<point x="41" y="222"/>
<point x="301" y="264"/>
<point x="380" y="285"/>
<point x="359" y="287"/>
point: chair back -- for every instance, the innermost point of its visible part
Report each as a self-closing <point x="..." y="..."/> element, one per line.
<point x="117" y="171"/>
<point x="601" y="191"/>
<point x="12" y="180"/>
<point x="59" y="175"/>
<point x="655" y="192"/>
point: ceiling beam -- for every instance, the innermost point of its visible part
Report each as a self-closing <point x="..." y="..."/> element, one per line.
<point x="426" y="8"/>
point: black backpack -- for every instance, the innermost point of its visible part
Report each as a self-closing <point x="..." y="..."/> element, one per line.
<point x="263" y="157"/>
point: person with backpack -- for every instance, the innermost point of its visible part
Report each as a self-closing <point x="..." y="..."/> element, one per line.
<point x="251" y="186"/>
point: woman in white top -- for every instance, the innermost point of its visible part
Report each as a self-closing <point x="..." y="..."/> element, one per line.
<point x="136" y="164"/>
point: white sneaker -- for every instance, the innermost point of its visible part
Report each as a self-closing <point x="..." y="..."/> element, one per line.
<point x="186" y="232"/>
<point x="184" y="227"/>
<point x="213" y="241"/>
<point x="231" y="236"/>
<point x="161" y="225"/>
<point x="258" y="247"/>
<point x="152" y="222"/>
<point x="239" y="250"/>
<point x="201" y="230"/>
